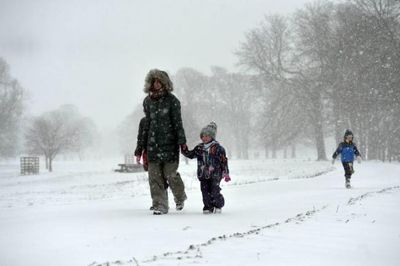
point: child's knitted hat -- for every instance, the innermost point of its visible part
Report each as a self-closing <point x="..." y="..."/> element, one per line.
<point x="348" y="133"/>
<point x="209" y="130"/>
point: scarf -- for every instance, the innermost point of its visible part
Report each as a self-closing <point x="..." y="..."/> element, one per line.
<point x="208" y="145"/>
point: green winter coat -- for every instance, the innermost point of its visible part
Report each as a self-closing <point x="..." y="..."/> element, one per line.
<point x="163" y="131"/>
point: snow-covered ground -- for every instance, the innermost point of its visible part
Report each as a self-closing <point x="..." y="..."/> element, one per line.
<point x="278" y="212"/>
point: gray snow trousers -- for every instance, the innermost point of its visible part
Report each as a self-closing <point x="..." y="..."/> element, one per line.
<point x="159" y="173"/>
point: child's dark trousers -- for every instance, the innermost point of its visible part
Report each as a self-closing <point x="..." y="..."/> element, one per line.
<point x="348" y="169"/>
<point x="212" y="196"/>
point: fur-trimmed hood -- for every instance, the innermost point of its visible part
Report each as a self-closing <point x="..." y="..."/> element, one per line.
<point x="162" y="76"/>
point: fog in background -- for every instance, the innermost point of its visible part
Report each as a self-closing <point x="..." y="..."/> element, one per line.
<point x="95" y="54"/>
<point x="278" y="77"/>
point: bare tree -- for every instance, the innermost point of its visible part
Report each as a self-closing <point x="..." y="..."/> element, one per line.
<point x="284" y="123"/>
<point x="269" y="50"/>
<point x="234" y="96"/>
<point x="223" y="97"/>
<point x="193" y="89"/>
<point x="11" y="107"/>
<point x="55" y="132"/>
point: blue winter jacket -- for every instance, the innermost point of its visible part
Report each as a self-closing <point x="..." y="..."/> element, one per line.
<point x="347" y="152"/>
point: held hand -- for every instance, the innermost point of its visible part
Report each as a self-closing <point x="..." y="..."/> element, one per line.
<point x="359" y="159"/>
<point x="138" y="159"/>
<point x="227" y="178"/>
<point x="184" y="148"/>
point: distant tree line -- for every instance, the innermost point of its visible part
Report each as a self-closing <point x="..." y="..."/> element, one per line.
<point x="328" y="67"/>
<point x="307" y="76"/>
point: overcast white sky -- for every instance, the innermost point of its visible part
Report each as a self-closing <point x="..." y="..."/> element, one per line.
<point x="95" y="54"/>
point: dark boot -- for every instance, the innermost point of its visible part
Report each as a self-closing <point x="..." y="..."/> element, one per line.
<point x="180" y="205"/>
<point x="208" y="210"/>
<point x="348" y="185"/>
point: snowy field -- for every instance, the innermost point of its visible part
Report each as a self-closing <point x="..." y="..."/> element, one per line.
<point x="278" y="212"/>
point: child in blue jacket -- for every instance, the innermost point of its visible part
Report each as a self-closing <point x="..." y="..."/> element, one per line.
<point x="212" y="167"/>
<point x="347" y="149"/>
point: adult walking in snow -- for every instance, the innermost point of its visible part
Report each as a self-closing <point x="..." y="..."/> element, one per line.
<point x="163" y="134"/>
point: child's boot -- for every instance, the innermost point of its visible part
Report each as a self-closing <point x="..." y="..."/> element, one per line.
<point x="217" y="210"/>
<point x="208" y="210"/>
<point x="348" y="182"/>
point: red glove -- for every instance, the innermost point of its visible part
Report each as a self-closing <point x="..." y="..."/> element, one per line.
<point x="184" y="147"/>
<point x="227" y="178"/>
<point x="145" y="161"/>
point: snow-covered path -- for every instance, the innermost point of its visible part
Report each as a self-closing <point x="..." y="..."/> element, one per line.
<point x="276" y="213"/>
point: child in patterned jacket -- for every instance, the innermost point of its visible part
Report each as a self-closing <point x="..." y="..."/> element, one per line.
<point x="212" y="168"/>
